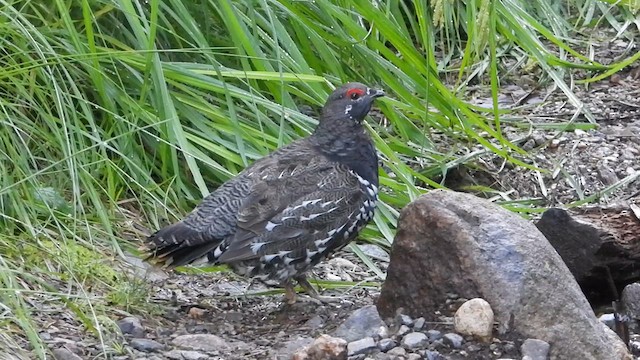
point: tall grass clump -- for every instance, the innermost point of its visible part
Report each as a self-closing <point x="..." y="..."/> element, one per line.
<point x="119" y="115"/>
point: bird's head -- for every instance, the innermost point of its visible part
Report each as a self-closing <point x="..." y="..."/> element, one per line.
<point x="351" y="101"/>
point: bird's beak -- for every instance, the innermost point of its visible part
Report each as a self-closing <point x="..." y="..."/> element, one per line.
<point x="375" y="93"/>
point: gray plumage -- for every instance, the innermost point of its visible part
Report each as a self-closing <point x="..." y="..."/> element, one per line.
<point x="289" y="210"/>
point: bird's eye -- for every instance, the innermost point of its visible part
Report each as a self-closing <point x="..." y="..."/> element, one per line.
<point x="354" y="93"/>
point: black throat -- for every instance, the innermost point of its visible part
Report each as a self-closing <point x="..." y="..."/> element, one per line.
<point x="346" y="141"/>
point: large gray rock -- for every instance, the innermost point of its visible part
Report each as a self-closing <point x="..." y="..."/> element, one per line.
<point x="450" y="242"/>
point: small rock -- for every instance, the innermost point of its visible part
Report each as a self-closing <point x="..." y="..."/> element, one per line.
<point x="196" y="312"/>
<point x="382" y="356"/>
<point x="201" y="342"/>
<point x="529" y="145"/>
<point x="473" y="348"/>
<point x="403" y="330"/>
<point x="386" y="344"/>
<point x="357" y="357"/>
<point x="185" y="355"/>
<point x="362" y="346"/>
<point x="316" y="322"/>
<point x="374" y="251"/>
<point x="413" y="356"/>
<point x="144" y="270"/>
<point x="535" y="349"/>
<point x="475" y="318"/>
<point x="404" y="320"/>
<point x="434" y="335"/>
<point x="64" y="354"/>
<point x="433" y="355"/>
<point x="397" y="351"/>
<point x="291" y="347"/>
<point x="419" y="323"/>
<point x="607" y="175"/>
<point x="131" y="326"/>
<point x="324" y="347"/>
<point x="146" y="345"/>
<point x="362" y="323"/>
<point x="609" y="320"/>
<point x="453" y="339"/>
<point x="415" y="340"/>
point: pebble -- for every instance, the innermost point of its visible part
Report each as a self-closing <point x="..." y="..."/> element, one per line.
<point x="290" y="347"/>
<point x="434" y="335"/>
<point x="397" y="351"/>
<point x="315" y="323"/>
<point x="374" y="251"/>
<point x="364" y="322"/>
<point x="362" y="346"/>
<point x="453" y="339"/>
<point x="413" y="356"/>
<point x="131" y="326"/>
<point x="185" y="355"/>
<point x="146" y="345"/>
<point x="201" y="342"/>
<point x="380" y="356"/>
<point x="386" y="344"/>
<point x="609" y="320"/>
<point x="418" y="323"/>
<point x="355" y="357"/>
<point x="405" y="320"/>
<point x="326" y="347"/>
<point x="415" y="340"/>
<point x="509" y="346"/>
<point x="433" y="355"/>
<point x="475" y="318"/>
<point x="403" y="330"/>
<point x="473" y="348"/>
<point x="64" y="354"/>
<point x="535" y="349"/>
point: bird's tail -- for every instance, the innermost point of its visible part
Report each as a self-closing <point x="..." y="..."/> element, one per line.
<point x="177" y="245"/>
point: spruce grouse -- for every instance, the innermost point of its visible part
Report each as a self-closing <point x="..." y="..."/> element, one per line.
<point x="289" y="210"/>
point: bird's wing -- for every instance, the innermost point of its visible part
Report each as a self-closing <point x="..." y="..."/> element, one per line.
<point x="289" y="173"/>
<point x="295" y="212"/>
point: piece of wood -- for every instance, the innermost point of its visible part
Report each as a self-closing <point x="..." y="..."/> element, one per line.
<point x="599" y="245"/>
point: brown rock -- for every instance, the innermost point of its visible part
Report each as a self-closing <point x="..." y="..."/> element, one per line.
<point x="600" y="245"/>
<point x="324" y="347"/>
<point x="450" y="242"/>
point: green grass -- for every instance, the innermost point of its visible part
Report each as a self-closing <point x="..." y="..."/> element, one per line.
<point x="123" y="113"/>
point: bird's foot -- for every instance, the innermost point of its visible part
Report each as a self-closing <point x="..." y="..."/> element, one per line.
<point x="312" y="294"/>
<point x="323" y="299"/>
<point x="313" y="299"/>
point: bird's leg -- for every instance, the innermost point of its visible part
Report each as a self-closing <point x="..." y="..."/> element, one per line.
<point x="312" y="292"/>
<point x="289" y="292"/>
